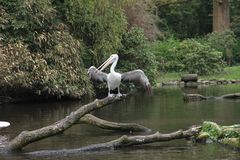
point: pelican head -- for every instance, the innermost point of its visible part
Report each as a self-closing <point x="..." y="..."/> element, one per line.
<point x="113" y="58"/>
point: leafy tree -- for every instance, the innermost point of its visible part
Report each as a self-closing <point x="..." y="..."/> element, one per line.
<point x="188" y="56"/>
<point x="183" y="18"/>
<point x="99" y="24"/>
<point x="135" y="54"/>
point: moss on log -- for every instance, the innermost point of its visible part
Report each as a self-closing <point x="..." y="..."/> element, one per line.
<point x="228" y="135"/>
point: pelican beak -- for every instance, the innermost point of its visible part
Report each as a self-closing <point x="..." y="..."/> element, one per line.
<point x="105" y="64"/>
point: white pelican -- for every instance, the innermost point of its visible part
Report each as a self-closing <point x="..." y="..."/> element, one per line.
<point x="4" y="124"/>
<point x="114" y="78"/>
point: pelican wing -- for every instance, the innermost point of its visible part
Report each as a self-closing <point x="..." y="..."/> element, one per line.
<point x="138" y="76"/>
<point x="97" y="75"/>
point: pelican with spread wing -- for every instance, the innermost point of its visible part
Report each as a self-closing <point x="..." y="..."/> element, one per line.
<point x="114" y="79"/>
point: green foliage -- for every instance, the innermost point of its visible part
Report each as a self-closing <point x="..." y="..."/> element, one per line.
<point x="188" y="56"/>
<point x="213" y="129"/>
<point x="166" y="58"/>
<point x="56" y="74"/>
<point x="229" y="135"/>
<point x="43" y="56"/>
<point x="235" y="25"/>
<point x="46" y="46"/>
<point x="99" y="24"/>
<point x="185" y="20"/>
<point x="235" y="16"/>
<point x="199" y="58"/>
<point x="135" y="54"/>
<point x="21" y="19"/>
<point x="222" y="42"/>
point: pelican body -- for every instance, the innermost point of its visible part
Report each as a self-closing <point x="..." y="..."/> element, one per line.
<point x="114" y="79"/>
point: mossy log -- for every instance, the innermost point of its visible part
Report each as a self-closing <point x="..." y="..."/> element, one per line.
<point x="27" y="137"/>
<point x="126" y="127"/>
<point x="199" y="97"/>
<point x="227" y="135"/>
<point x="126" y="141"/>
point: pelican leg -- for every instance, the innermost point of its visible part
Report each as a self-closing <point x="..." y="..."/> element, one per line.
<point x="109" y="92"/>
<point x="119" y="94"/>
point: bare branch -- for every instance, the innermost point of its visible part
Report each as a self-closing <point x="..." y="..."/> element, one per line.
<point x="129" y="127"/>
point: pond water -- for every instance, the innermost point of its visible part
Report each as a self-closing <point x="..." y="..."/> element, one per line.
<point x="165" y="111"/>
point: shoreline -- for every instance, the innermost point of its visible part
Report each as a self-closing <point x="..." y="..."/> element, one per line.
<point x="199" y="82"/>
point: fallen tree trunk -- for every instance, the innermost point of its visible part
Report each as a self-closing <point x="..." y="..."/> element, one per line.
<point x="27" y="137"/>
<point x="129" y="127"/>
<point x="231" y="96"/>
<point x="125" y="141"/>
<point x="199" y="97"/>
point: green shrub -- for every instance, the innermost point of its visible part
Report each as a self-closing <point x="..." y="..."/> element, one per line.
<point x="235" y="25"/>
<point x="166" y="58"/>
<point x="54" y="75"/>
<point x="99" y="24"/>
<point x="188" y="56"/>
<point x="236" y="52"/>
<point x="199" y="58"/>
<point x="135" y="54"/>
<point x="221" y="41"/>
<point x="43" y="57"/>
<point x="46" y="46"/>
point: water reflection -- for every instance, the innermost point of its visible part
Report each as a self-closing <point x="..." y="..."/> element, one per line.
<point x="164" y="111"/>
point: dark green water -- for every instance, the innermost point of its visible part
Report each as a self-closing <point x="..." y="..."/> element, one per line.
<point x="165" y="111"/>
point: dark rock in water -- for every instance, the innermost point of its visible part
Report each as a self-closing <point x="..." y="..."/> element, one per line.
<point x="189" y="78"/>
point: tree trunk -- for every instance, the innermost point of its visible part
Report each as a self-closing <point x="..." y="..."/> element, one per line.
<point x="221" y="21"/>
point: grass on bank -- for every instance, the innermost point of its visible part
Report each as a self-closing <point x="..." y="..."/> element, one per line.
<point x="229" y="73"/>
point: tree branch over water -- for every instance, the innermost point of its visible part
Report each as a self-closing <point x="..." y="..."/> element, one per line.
<point x="27" y="137"/>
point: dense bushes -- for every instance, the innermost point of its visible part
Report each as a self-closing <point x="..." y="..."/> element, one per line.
<point x="135" y="54"/>
<point x="55" y="74"/>
<point x="185" y="20"/>
<point x="47" y="46"/>
<point x="221" y="41"/>
<point x="43" y="56"/>
<point x="188" y="56"/>
<point x="100" y="25"/>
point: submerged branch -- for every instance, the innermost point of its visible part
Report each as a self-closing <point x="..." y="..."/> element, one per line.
<point x="199" y="97"/>
<point x="129" y="127"/>
<point x="124" y="141"/>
